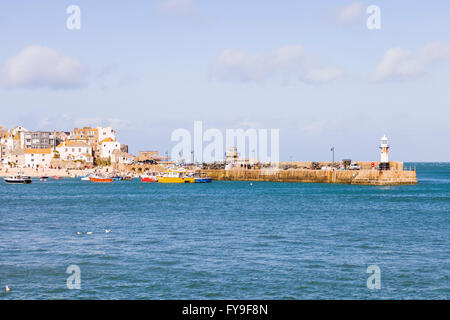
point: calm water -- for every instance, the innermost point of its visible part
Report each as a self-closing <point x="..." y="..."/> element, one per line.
<point x="226" y="240"/>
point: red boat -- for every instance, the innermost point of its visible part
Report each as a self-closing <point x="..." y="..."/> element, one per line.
<point x="148" y="178"/>
<point x="100" y="179"/>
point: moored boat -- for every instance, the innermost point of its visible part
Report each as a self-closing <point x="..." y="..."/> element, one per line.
<point x="175" y="176"/>
<point x="149" y="177"/>
<point x="100" y="179"/>
<point x="201" y="178"/>
<point x="18" y="179"/>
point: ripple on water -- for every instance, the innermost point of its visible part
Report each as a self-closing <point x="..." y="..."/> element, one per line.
<point x="226" y="240"/>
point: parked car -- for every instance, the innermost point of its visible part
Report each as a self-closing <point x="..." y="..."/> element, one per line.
<point x="354" y="166"/>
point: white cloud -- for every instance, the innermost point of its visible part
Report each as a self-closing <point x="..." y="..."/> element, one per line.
<point x="42" y="67"/>
<point x="289" y="62"/>
<point x="177" y="6"/>
<point x="400" y="63"/>
<point x="351" y="13"/>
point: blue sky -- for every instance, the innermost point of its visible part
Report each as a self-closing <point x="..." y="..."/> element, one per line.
<point x="311" y="69"/>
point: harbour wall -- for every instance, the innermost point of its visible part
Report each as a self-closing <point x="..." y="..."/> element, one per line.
<point x="362" y="177"/>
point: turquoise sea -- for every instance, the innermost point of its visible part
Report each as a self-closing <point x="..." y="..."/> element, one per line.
<point x="226" y="240"/>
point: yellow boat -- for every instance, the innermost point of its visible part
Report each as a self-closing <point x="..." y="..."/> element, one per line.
<point x="171" y="176"/>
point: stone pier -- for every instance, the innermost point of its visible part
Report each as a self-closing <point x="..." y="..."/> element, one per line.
<point x="362" y="177"/>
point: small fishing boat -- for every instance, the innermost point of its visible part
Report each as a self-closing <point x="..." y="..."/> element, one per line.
<point x="175" y="176"/>
<point x="100" y="179"/>
<point x="201" y="178"/>
<point x="86" y="178"/>
<point x="127" y="178"/>
<point x="117" y="178"/>
<point x="149" y="177"/>
<point x="18" y="179"/>
<point x="57" y="178"/>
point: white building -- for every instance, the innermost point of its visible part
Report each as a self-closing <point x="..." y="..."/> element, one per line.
<point x="121" y="157"/>
<point x="19" y="137"/>
<point x="232" y="155"/>
<point x="75" y="150"/>
<point x="233" y="159"/>
<point x="106" y="133"/>
<point x="38" y="158"/>
<point x="7" y="139"/>
<point x="107" y="147"/>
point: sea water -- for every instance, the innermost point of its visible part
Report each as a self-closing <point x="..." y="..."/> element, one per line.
<point x="226" y="240"/>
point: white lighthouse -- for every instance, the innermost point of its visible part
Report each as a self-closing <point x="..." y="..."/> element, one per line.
<point x="384" y="161"/>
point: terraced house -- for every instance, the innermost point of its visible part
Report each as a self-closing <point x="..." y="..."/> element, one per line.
<point x="75" y="150"/>
<point x="40" y="140"/>
<point x="38" y="158"/>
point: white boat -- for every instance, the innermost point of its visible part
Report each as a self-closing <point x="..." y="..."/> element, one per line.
<point x="86" y="178"/>
<point x="18" y="179"/>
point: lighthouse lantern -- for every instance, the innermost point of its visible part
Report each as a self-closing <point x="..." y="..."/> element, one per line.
<point x="384" y="146"/>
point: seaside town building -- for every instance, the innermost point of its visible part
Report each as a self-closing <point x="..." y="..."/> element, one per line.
<point x="106" y="133"/>
<point x="94" y="137"/>
<point x="232" y="156"/>
<point x="7" y="139"/>
<point x="62" y="136"/>
<point x="19" y="137"/>
<point x="38" y="158"/>
<point x="75" y="150"/>
<point x="121" y="157"/>
<point x="23" y="148"/>
<point x="107" y="147"/>
<point x="152" y="156"/>
<point x="17" y="158"/>
<point x="4" y="152"/>
<point x="147" y="155"/>
<point x="40" y="140"/>
<point x="233" y="160"/>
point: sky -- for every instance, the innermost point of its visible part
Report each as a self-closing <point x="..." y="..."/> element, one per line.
<point x="312" y="69"/>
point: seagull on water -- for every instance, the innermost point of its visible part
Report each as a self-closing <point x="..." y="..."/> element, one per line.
<point x="78" y="232"/>
<point x="89" y="232"/>
<point x="8" y="289"/>
<point x="107" y="231"/>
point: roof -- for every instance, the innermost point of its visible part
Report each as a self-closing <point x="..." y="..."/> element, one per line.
<point x="107" y="140"/>
<point x="73" y="144"/>
<point x="38" y="151"/>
